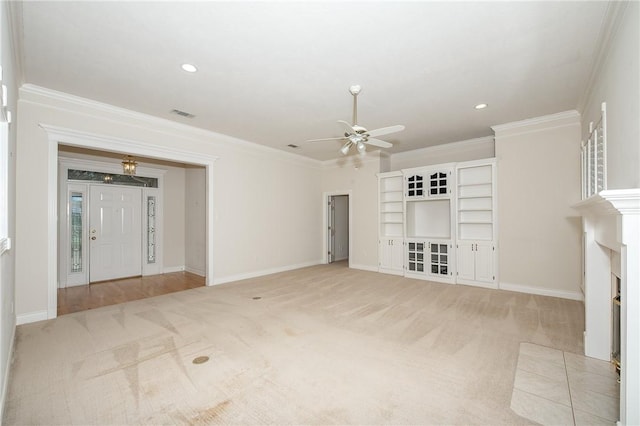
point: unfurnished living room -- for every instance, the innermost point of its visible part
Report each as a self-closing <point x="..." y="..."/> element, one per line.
<point x="233" y="212"/>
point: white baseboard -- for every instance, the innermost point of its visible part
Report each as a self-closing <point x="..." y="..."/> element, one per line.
<point x="170" y="269"/>
<point x="199" y="272"/>
<point x="31" y="317"/>
<point x="573" y="295"/>
<point x="263" y="272"/>
<point x="7" y="372"/>
<point x="364" y="267"/>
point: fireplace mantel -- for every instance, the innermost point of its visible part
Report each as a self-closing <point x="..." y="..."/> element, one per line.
<point x="611" y="230"/>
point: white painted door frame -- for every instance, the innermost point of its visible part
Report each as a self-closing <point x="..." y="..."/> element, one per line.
<point x="326" y="196"/>
<point x="59" y="135"/>
<point x="64" y="165"/>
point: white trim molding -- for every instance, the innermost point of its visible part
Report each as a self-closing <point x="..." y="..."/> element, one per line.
<point x="33" y="93"/>
<point x="611" y="232"/>
<point x="520" y="288"/>
<point x="255" y="274"/>
<point x="172" y="269"/>
<point x="364" y="267"/>
<point x="57" y="135"/>
<point x="325" y="223"/>
<point x="32" y="317"/>
<point x="532" y="125"/>
<point x="461" y="146"/>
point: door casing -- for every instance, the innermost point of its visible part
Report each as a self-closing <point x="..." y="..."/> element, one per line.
<point x="326" y="196"/>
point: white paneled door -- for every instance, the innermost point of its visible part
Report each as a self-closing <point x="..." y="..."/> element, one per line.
<point x="115" y="229"/>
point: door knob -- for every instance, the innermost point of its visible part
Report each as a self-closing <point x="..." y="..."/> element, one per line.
<point x="93" y="238"/>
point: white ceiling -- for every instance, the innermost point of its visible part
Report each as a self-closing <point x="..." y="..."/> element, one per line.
<point x="277" y="73"/>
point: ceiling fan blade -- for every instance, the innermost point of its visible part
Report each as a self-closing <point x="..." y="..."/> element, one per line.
<point x="378" y="142"/>
<point x="348" y="126"/>
<point x="386" y="130"/>
<point x="325" y="139"/>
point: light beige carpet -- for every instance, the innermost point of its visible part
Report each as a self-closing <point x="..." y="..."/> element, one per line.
<point x="323" y="345"/>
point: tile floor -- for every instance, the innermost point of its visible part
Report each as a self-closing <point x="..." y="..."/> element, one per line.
<point x="553" y="387"/>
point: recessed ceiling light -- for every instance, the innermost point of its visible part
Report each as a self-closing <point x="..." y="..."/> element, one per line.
<point x="189" y="68"/>
<point x="481" y="106"/>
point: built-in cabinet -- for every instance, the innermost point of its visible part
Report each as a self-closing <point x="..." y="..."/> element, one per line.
<point x="391" y="220"/>
<point x="428" y="219"/>
<point x="391" y="255"/>
<point x="441" y="219"/>
<point x="476" y="223"/>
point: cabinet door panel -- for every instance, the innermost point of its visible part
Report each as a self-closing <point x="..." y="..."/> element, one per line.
<point x="466" y="260"/>
<point x="384" y="253"/>
<point x="397" y="254"/>
<point x="484" y="262"/>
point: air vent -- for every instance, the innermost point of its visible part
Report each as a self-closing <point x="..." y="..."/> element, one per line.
<point x="182" y="113"/>
<point x="293" y="146"/>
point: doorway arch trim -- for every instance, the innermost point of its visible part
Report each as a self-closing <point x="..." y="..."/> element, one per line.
<point x="59" y="135"/>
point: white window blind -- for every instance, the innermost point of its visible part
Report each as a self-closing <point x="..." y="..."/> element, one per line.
<point x="594" y="157"/>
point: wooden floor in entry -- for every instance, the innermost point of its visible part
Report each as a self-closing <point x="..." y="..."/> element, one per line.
<point x="105" y="293"/>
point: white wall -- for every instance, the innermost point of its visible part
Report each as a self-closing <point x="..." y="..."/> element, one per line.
<point x="539" y="234"/>
<point x="10" y="78"/>
<point x="472" y="149"/>
<point x="616" y="81"/>
<point x="358" y="175"/>
<point x="266" y="215"/>
<point x="195" y="224"/>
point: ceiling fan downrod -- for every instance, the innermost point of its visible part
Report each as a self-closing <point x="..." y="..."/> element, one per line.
<point x="354" y="90"/>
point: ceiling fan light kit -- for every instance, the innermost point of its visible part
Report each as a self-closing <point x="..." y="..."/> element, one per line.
<point x="359" y="136"/>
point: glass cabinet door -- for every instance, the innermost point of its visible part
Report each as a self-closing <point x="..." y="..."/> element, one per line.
<point x="415" y="257"/>
<point x="439" y="259"/>
<point x="415" y="186"/>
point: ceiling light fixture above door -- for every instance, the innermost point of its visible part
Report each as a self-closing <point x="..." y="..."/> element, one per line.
<point x="129" y="165"/>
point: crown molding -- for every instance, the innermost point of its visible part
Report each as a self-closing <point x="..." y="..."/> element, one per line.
<point x="608" y="29"/>
<point x="545" y="122"/>
<point x="161" y="125"/>
<point x="456" y="146"/>
<point x="14" y="19"/>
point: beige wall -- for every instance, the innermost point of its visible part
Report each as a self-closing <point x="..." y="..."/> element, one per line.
<point x="617" y="82"/>
<point x="10" y="78"/>
<point x="173" y="218"/>
<point x="195" y="220"/>
<point x="358" y="175"/>
<point x="539" y="234"/>
<point x="266" y="215"/>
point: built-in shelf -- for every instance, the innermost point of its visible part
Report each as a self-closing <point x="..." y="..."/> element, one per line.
<point x="430" y="216"/>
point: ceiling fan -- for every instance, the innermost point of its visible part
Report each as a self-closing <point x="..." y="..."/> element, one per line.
<point x="358" y="136"/>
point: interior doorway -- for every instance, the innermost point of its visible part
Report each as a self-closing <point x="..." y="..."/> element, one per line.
<point x="338" y="227"/>
<point x="59" y="137"/>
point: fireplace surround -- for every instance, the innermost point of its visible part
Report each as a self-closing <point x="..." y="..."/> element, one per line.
<point x="611" y="250"/>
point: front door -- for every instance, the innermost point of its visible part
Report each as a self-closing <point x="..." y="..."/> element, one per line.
<point x="115" y="232"/>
